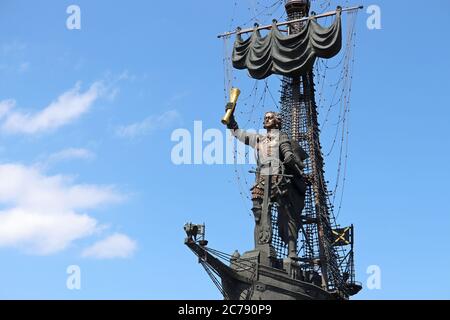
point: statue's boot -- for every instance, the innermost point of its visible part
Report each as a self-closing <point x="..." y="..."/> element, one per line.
<point x="292" y="249"/>
<point x="257" y="211"/>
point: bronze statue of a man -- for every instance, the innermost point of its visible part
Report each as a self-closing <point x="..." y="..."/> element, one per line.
<point x="279" y="179"/>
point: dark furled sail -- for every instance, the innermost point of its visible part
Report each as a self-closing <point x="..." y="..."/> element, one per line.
<point x="291" y="55"/>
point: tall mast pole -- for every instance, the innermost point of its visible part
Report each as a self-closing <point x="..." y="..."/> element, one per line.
<point x="300" y="121"/>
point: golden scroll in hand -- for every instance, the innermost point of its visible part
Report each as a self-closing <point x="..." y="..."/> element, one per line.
<point x="231" y="106"/>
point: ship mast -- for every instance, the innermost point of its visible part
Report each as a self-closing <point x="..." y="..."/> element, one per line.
<point x="300" y="121"/>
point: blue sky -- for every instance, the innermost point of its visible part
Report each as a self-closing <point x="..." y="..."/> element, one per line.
<point x="86" y="118"/>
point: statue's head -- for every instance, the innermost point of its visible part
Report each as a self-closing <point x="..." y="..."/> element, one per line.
<point x="272" y="120"/>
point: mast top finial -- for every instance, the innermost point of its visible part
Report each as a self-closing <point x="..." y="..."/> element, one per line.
<point x="298" y="6"/>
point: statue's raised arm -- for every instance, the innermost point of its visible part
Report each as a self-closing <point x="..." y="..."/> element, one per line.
<point x="248" y="138"/>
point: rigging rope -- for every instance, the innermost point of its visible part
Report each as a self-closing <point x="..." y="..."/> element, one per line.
<point x="268" y="12"/>
<point x="347" y="132"/>
<point x="341" y="89"/>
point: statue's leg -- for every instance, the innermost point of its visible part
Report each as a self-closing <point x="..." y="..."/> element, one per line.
<point x="257" y="210"/>
<point x="292" y="247"/>
<point x="298" y="203"/>
<point x="287" y="225"/>
<point x="292" y="238"/>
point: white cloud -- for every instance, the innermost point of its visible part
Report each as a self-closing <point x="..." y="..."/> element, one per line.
<point x="43" y="233"/>
<point x="67" y="108"/>
<point x="71" y="153"/>
<point x="115" y="246"/>
<point x="13" y="48"/>
<point x="6" y="106"/>
<point x="149" y="124"/>
<point x="13" y="56"/>
<point x="41" y="213"/>
<point x="177" y="98"/>
<point x="126" y="75"/>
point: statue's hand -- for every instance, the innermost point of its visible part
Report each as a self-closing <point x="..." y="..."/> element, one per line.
<point x="289" y="160"/>
<point x="228" y="106"/>
<point x="232" y="125"/>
